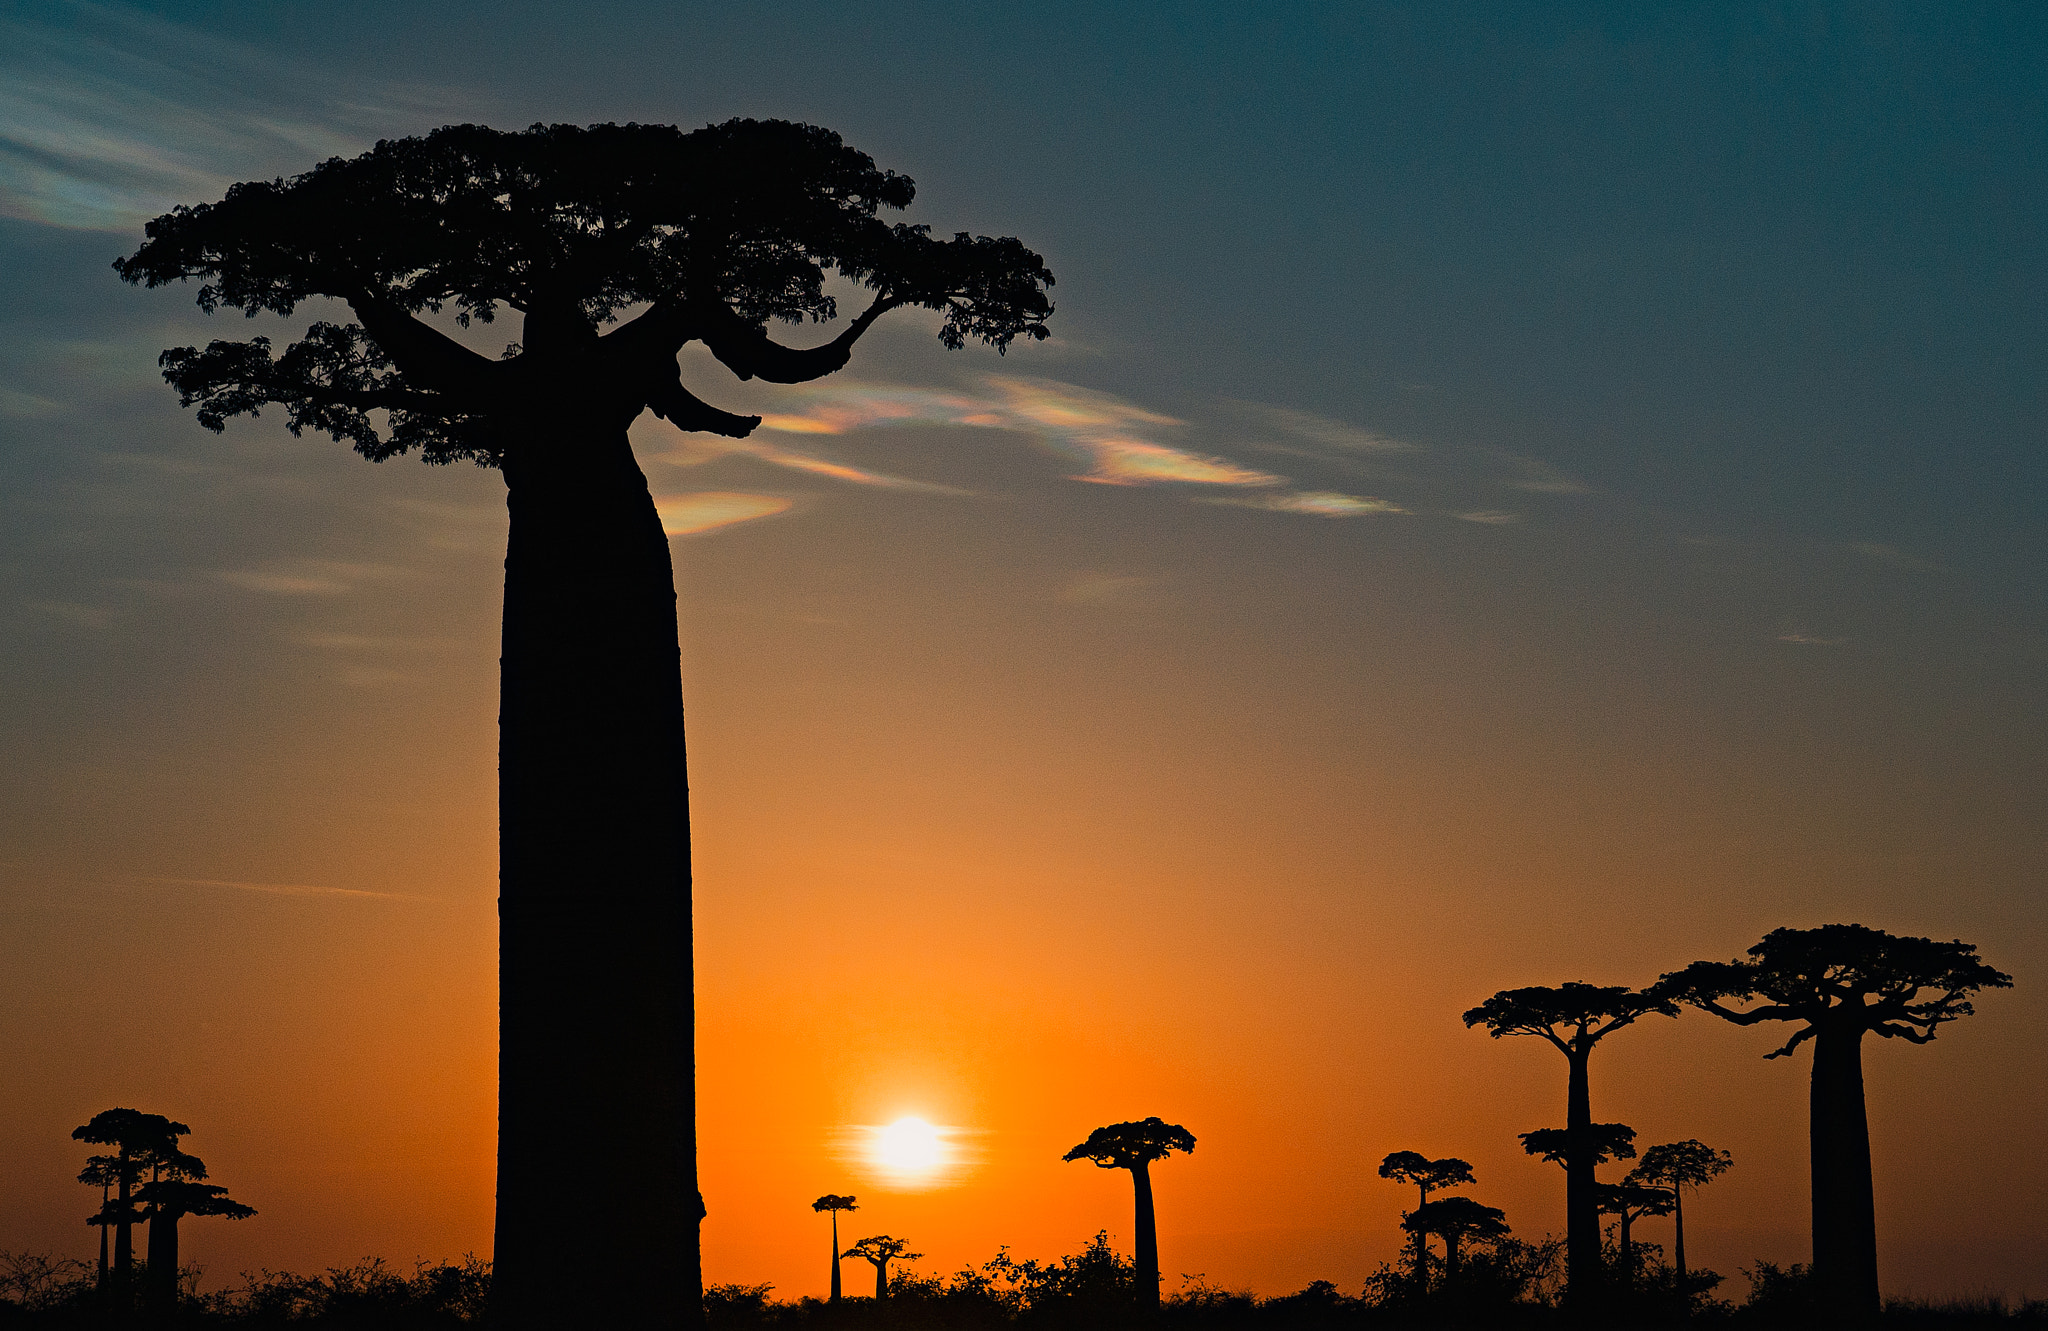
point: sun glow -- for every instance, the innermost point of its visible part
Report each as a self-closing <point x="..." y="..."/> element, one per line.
<point x="909" y="1146"/>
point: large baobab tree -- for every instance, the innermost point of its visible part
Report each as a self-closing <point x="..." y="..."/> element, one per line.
<point x="1841" y="982"/>
<point x="167" y="1201"/>
<point x="616" y="245"/>
<point x="1455" y="1220"/>
<point x="141" y="1142"/>
<point x="881" y="1250"/>
<point x="1427" y="1175"/>
<point x="1573" y="1018"/>
<point x="1134" y="1146"/>
<point x="835" y="1203"/>
<point x="1678" y="1166"/>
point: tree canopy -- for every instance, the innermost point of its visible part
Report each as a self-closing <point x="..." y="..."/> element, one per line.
<point x="1607" y="1141"/>
<point x="1455" y="1219"/>
<point x="1844" y="973"/>
<point x="880" y="1248"/>
<point x="1418" y="1170"/>
<point x="705" y="235"/>
<point x="1687" y="1164"/>
<point x="1131" y="1145"/>
<point x="173" y="1198"/>
<point x="1571" y="1016"/>
<point x="834" y="1202"/>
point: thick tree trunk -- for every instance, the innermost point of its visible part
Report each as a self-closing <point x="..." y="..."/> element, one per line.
<point x="163" y="1261"/>
<point x="1147" y="1234"/>
<point x="1581" y="1206"/>
<point x="103" y="1251"/>
<point x="835" y="1256"/>
<point x="1678" y="1241"/>
<point x="1450" y="1262"/>
<point x="881" y="1281"/>
<point x="1844" y="1209"/>
<point x="124" y="1233"/>
<point x="598" y="1206"/>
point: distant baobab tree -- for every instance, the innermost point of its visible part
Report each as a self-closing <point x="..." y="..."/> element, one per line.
<point x="675" y="238"/>
<point x="1427" y="1175"/>
<point x="1573" y="1018"/>
<point x="103" y="1172"/>
<point x="1134" y="1146"/>
<point x="1629" y="1202"/>
<point x="1678" y="1166"/>
<point x="1841" y="982"/>
<point x="168" y="1201"/>
<point x="142" y="1142"/>
<point x="1455" y="1220"/>
<point x="835" y="1204"/>
<point x="881" y="1250"/>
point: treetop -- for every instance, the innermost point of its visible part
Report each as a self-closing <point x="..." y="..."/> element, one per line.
<point x="1610" y="1141"/>
<point x="880" y="1248"/>
<point x="1634" y="1198"/>
<point x="1690" y="1163"/>
<point x="132" y="1129"/>
<point x="1415" y="1168"/>
<point x="1458" y="1217"/>
<point x="1572" y="1016"/>
<point x="834" y="1202"/>
<point x="1129" y="1145"/>
<point x="182" y="1197"/>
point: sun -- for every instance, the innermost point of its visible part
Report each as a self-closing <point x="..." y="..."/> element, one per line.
<point x="909" y="1146"/>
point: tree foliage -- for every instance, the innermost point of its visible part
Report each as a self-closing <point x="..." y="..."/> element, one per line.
<point x="1571" y="1016"/>
<point x="1607" y="1141"/>
<point x="1687" y="1164"/>
<point x="1133" y="1144"/>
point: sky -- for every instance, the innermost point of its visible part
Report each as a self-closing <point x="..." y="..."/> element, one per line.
<point x="1527" y="494"/>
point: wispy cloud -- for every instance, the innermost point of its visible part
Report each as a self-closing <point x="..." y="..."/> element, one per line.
<point x="1340" y="435"/>
<point x="278" y="889"/>
<point x="109" y="116"/>
<point x="1491" y="517"/>
<point x="307" y="577"/>
<point x="1540" y="477"/>
<point x="1315" y="503"/>
<point x="1809" y="640"/>
<point x="708" y="510"/>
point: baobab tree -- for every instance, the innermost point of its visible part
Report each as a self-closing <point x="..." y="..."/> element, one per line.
<point x="1678" y="1166"/>
<point x="142" y="1143"/>
<point x="1427" y="1175"/>
<point x="1841" y="982"/>
<point x="167" y="1201"/>
<point x="1628" y="1202"/>
<point x="882" y="1250"/>
<point x="616" y="245"/>
<point x="1134" y="1146"/>
<point x="103" y="1172"/>
<point x="1573" y="1018"/>
<point x="835" y="1204"/>
<point x="1455" y="1220"/>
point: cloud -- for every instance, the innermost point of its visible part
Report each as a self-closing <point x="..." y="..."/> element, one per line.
<point x="1103" y="588"/>
<point x="309" y="577"/>
<point x="279" y="889"/>
<point x="1316" y="503"/>
<point x="1323" y="430"/>
<point x="1492" y="517"/>
<point x="1808" y="640"/>
<point x="708" y="510"/>
<point x="1539" y="477"/>
<point x="109" y="116"/>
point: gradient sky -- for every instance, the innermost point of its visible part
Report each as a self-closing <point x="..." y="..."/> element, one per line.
<point x="1542" y="493"/>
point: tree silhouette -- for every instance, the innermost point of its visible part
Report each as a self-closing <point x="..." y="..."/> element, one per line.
<point x="1417" y="1169"/>
<point x="142" y="1142"/>
<point x="170" y="1200"/>
<point x="882" y="1250"/>
<point x="1454" y="1220"/>
<point x="1573" y="1017"/>
<point x="1134" y="1146"/>
<point x="835" y="1204"/>
<point x="103" y="1172"/>
<point x="1678" y="1166"/>
<point x="1607" y="1141"/>
<point x="1841" y="981"/>
<point x="703" y="236"/>
<point x="1629" y="1202"/>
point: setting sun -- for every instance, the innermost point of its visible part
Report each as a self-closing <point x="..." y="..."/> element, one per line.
<point x="909" y="1146"/>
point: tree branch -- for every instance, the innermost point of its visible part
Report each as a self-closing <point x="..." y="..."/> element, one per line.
<point x="686" y="411"/>
<point x="749" y="353"/>
<point x="423" y="354"/>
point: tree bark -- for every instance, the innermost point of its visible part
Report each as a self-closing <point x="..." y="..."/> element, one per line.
<point x="1628" y="1250"/>
<point x="598" y="1209"/>
<point x="1581" y="1206"/>
<point x="124" y="1233"/>
<point x="881" y="1280"/>
<point x="1844" y="1209"/>
<point x="835" y="1256"/>
<point x="163" y="1261"/>
<point x="1422" y="1246"/>
<point x="1147" y="1235"/>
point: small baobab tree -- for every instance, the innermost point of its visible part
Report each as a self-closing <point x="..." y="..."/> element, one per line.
<point x="1678" y="1166"/>
<point x="1629" y="1202"/>
<point x="1456" y="1220"/>
<point x="881" y="1250"/>
<point x="142" y="1142"/>
<point x="166" y="1202"/>
<point x="1841" y="982"/>
<point x="1134" y="1146"/>
<point x="1573" y="1018"/>
<point x="1427" y="1175"/>
<point x="834" y="1203"/>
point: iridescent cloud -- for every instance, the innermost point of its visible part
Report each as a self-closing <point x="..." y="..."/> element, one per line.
<point x="1315" y="503"/>
<point x="706" y="510"/>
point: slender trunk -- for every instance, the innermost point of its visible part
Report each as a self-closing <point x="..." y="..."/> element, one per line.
<point x="1147" y="1272"/>
<point x="124" y="1235"/>
<point x="1422" y="1246"/>
<point x="597" y="1152"/>
<point x="1844" y="1210"/>
<point x="163" y="1261"/>
<point x="1678" y="1243"/>
<point x="881" y="1280"/>
<point x="104" y="1193"/>
<point x="835" y="1256"/>
<point x="1581" y="1205"/>
<point x="1628" y="1251"/>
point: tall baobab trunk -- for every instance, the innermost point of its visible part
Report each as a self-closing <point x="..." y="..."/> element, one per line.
<point x="882" y="1279"/>
<point x="835" y="1256"/>
<point x="1581" y="1206"/>
<point x="1422" y="1247"/>
<point x="1678" y="1240"/>
<point x="163" y="1261"/>
<point x="597" y="1159"/>
<point x="1147" y="1235"/>
<point x="1628" y="1250"/>
<point x="1844" y="1211"/>
<point x="124" y="1231"/>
